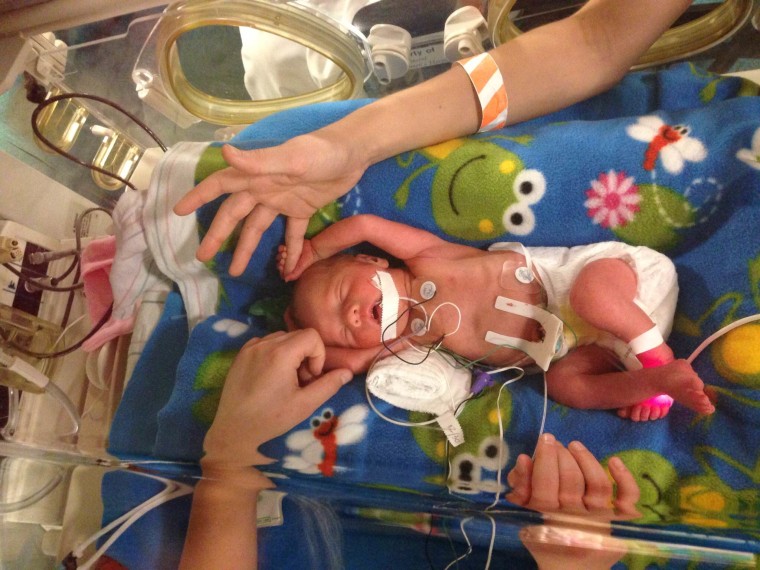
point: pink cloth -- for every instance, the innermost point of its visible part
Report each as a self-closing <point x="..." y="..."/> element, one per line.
<point x="131" y="272"/>
<point x="97" y="258"/>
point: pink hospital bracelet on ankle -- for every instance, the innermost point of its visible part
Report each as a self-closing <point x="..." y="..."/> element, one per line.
<point x="488" y="82"/>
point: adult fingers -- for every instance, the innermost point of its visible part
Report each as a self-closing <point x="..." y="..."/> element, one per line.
<point x="572" y="485"/>
<point x="227" y="181"/>
<point x="251" y="342"/>
<point x="297" y="346"/>
<point x="261" y="161"/>
<point x="233" y="209"/>
<point x="598" y="495"/>
<point x="545" y="480"/>
<point x="519" y="479"/>
<point x="295" y="229"/>
<point x="254" y="226"/>
<point x="628" y="491"/>
<point x="318" y="391"/>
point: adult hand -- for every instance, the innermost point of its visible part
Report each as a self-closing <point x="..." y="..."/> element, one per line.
<point x="571" y="481"/>
<point x="295" y="179"/>
<point x="560" y="546"/>
<point x="262" y="398"/>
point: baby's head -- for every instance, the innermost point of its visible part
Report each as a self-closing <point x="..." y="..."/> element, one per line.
<point x="337" y="297"/>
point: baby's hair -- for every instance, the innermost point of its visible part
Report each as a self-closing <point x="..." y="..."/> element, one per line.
<point x="315" y="269"/>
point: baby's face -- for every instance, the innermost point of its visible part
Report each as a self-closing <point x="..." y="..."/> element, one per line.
<point x="340" y="302"/>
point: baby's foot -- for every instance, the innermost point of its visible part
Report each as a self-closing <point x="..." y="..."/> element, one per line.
<point x="681" y="384"/>
<point x="651" y="409"/>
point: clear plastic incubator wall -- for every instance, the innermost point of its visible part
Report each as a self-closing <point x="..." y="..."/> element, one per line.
<point x="105" y="398"/>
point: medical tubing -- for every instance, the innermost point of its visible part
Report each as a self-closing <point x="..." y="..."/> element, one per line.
<point x="135" y="515"/>
<point x="467" y="540"/>
<point x="24" y="274"/>
<point x="492" y="542"/>
<point x="713" y="337"/>
<point x="6" y="508"/>
<point x="13" y="414"/>
<point x="47" y="102"/>
<point x="67" y="404"/>
<point x="77" y="251"/>
<point x="543" y="415"/>
<point x="171" y="491"/>
<point x="24" y="277"/>
<point x="103" y="320"/>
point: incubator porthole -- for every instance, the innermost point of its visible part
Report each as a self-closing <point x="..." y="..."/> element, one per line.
<point x="336" y="50"/>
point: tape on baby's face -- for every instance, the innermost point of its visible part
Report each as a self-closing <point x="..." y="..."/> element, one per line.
<point x="388" y="305"/>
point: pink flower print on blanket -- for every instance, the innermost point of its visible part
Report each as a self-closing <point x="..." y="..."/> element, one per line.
<point x="613" y="199"/>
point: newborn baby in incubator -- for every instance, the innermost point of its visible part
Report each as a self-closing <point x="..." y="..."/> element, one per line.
<point x="593" y="317"/>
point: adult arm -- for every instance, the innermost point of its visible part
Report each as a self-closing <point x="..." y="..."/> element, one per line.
<point x="261" y="399"/>
<point x="544" y="69"/>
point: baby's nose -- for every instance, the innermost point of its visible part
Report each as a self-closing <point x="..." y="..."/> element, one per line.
<point x="353" y="315"/>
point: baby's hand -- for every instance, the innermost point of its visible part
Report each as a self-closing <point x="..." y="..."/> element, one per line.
<point x="307" y="257"/>
<point x="282" y="255"/>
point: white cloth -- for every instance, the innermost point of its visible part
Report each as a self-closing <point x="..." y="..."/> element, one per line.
<point x="657" y="291"/>
<point x="278" y="67"/>
<point x="173" y="240"/>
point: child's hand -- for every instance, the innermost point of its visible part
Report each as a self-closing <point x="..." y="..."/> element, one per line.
<point x="291" y="270"/>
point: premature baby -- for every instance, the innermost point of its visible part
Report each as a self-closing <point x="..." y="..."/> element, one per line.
<point x="584" y="310"/>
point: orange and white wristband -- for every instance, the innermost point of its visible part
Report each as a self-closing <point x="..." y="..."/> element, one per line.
<point x="488" y="82"/>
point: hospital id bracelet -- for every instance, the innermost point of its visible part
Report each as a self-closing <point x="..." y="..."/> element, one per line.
<point x="488" y="82"/>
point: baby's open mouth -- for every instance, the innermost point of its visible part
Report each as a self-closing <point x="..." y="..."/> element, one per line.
<point x="377" y="310"/>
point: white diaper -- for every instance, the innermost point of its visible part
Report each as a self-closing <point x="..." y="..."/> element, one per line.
<point x="657" y="292"/>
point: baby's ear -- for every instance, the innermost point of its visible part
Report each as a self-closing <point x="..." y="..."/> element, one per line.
<point x="371" y="259"/>
<point x="290" y="323"/>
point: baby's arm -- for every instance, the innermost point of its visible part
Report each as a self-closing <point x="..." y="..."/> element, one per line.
<point x="399" y="240"/>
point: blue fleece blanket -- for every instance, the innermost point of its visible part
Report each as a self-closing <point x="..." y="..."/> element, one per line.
<point x="668" y="160"/>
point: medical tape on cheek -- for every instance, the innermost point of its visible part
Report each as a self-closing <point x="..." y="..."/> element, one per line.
<point x="388" y="304"/>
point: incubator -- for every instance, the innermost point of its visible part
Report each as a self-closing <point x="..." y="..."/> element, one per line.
<point x="93" y="460"/>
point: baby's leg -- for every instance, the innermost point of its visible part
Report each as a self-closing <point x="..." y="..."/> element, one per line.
<point x="589" y="378"/>
<point x="603" y="295"/>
